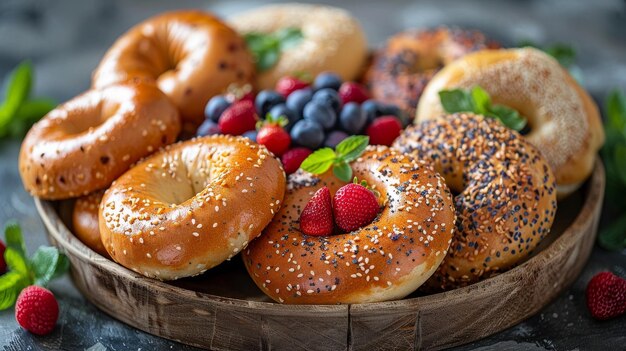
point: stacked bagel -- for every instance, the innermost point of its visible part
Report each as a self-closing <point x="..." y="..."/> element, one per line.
<point x="462" y="197"/>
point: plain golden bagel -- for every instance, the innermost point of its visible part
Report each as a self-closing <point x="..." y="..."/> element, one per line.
<point x="385" y="260"/>
<point x="191" y="206"/>
<point x="191" y="55"/>
<point x="332" y="40"/>
<point x="399" y="71"/>
<point x="85" y="221"/>
<point x="506" y="198"/>
<point x="564" y="121"/>
<point x="84" y="144"/>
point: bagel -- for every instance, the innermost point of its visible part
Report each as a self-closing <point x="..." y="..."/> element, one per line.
<point x="191" y="206"/>
<point x="84" y="144"/>
<point x="85" y="221"/>
<point x="506" y="198"/>
<point x="399" y="71"/>
<point x="564" y="121"/>
<point x="385" y="260"/>
<point x="332" y="40"/>
<point x="191" y="55"/>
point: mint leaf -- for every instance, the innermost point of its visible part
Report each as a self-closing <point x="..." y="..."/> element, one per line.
<point x="614" y="236"/>
<point x="481" y="98"/>
<point x="319" y="161"/>
<point x="11" y="283"/>
<point x="13" y="238"/>
<point x="16" y="262"/>
<point x="616" y="111"/>
<point x="16" y="93"/>
<point x="267" y="47"/>
<point x="352" y="147"/>
<point x="456" y="100"/>
<point x="342" y="171"/>
<point x="478" y="101"/>
<point x="564" y="53"/>
<point x="48" y="263"/>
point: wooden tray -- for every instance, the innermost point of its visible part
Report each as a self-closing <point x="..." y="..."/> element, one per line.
<point x="224" y="310"/>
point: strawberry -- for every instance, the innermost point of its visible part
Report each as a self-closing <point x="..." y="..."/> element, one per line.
<point x="239" y="118"/>
<point x="355" y="206"/>
<point x="37" y="310"/>
<point x="3" y="264"/>
<point x="606" y="296"/>
<point x="293" y="158"/>
<point x="316" y="218"/>
<point x="353" y="92"/>
<point x="288" y="84"/>
<point x="384" y="130"/>
<point x="273" y="136"/>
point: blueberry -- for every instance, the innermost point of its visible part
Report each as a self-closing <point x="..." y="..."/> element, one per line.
<point x="297" y="100"/>
<point x="283" y="110"/>
<point x="251" y="134"/>
<point x="370" y="107"/>
<point x="328" y="97"/>
<point x="327" y="80"/>
<point x="334" y="138"/>
<point x="352" y="118"/>
<point x="308" y="134"/>
<point x="215" y="107"/>
<point x="320" y="113"/>
<point x="265" y="100"/>
<point x="208" y="127"/>
<point x="393" y="110"/>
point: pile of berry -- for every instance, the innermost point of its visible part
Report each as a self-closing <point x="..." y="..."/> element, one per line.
<point x="300" y="117"/>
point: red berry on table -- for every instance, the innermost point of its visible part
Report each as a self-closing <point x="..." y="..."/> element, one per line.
<point x="355" y="206"/>
<point x="353" y="92"/>
<point x="239" y="118"/>
<point x="3" y="264"/>
<point x="287" y="85"/>
<point x="275" y="138"/>
<point x="293" y="158"/>
<point x="606" y="296"/>
<point x="384" y="130"/>
<point x="316" y="218"/>
<point x="37" y="310"/>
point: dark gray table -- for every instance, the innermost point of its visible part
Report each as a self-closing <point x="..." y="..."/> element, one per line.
<point x="66" y="39"/>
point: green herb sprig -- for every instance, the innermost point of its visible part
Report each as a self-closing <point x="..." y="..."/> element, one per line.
<point x="18" y="111"/>
<point x="267" y="47"/>
<point x="339" y="159"/>
<point x="614" y="155"/>
<point x="46" y="264"/>
<point x="478" y="101"/>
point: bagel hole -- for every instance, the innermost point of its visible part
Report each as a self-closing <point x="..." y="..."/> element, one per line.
<point x="90" y="118"/>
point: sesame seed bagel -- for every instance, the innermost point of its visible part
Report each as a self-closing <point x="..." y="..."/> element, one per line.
<point x="85" y="221"/>
<point x="191" y="206"/>
<point x="400" y="70"/>
<point x="385" y="260"/>
<point x="506" y="198"/>
<point x="84" y="144"/>
<point x="191" y="55"/>
<point x="332" y="40"/>
<point x="564" y="121"/>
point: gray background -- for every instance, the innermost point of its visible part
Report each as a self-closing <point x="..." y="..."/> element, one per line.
<point x="66" y="39"/>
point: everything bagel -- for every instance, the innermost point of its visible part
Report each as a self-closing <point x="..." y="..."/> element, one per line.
<point x="84" y="144"/>
<point x="191" y="206"/>
<point x="191" y="55"/>
<point x="506" y="198"/>
<point x="385" y="260"/>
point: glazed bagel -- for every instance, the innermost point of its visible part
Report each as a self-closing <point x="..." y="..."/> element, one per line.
<point x="191" y="206"/>
<point x="192" y="56"/>
<point x="86" y="143"/>
<point x="399" y="71"/>
<point x="385" y="260"/>
<point x="85" y="221"/>
<point x="564" y="121"/>
<point x="506" y="198"/>
<point x="332" y="40"/>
